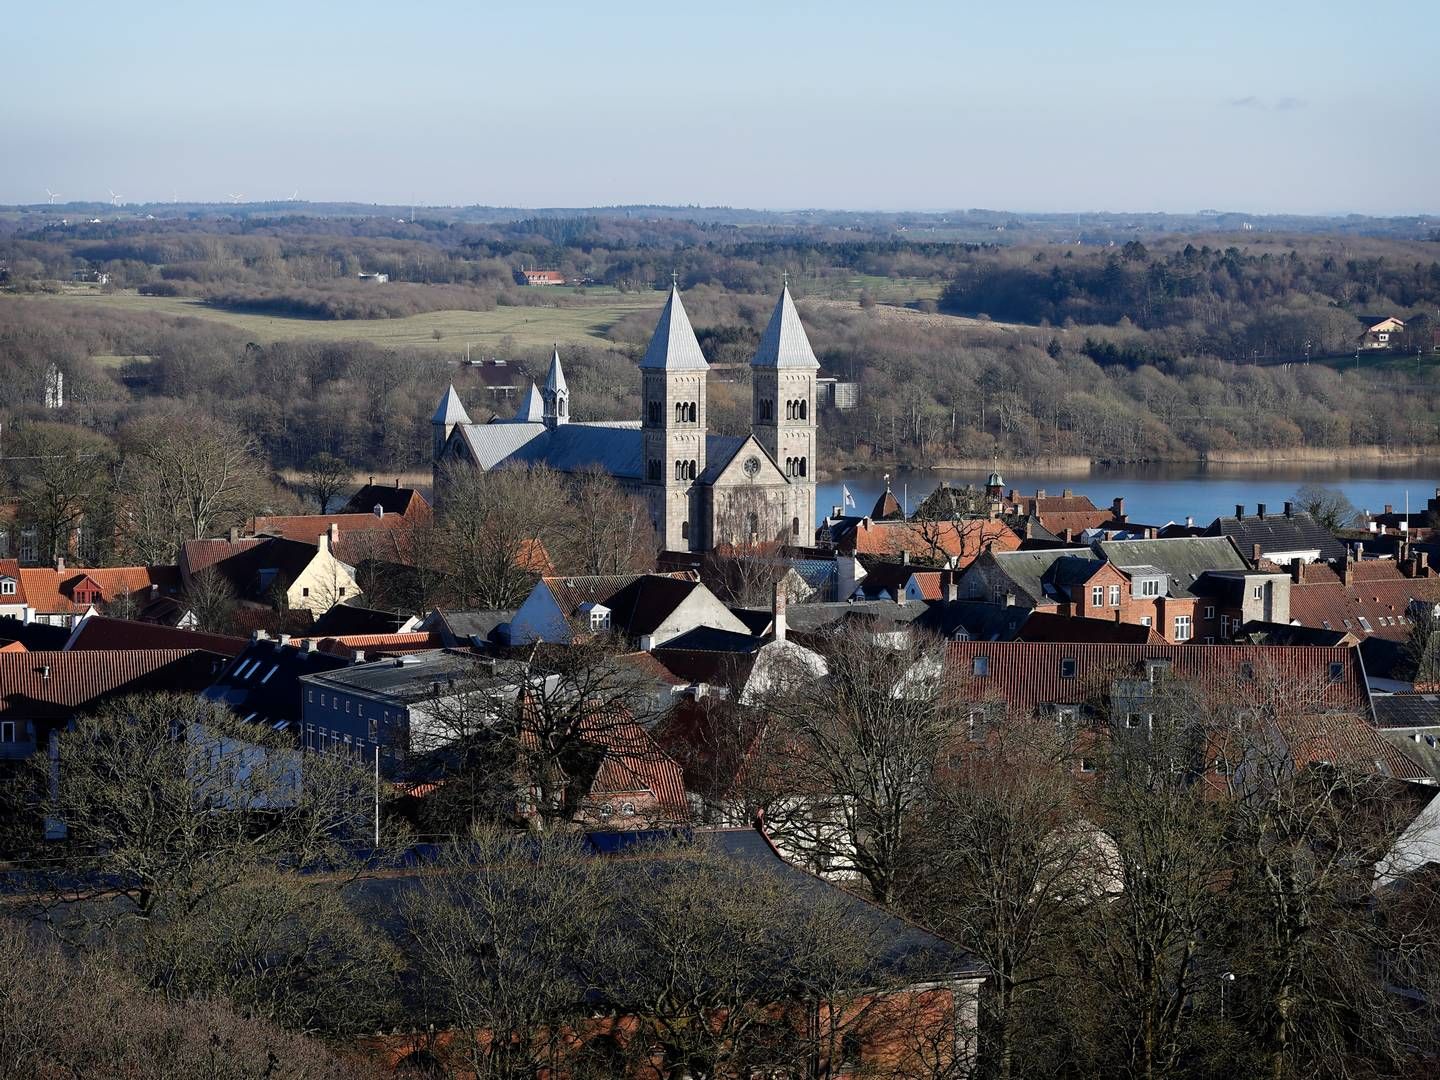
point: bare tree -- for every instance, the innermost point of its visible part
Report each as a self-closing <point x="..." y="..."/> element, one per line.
<point x="610" y="531"/>
<point x="212" y="600"/>
<point x="62" y="477"/>
<point x="325" y="478"/>
<point x="185" y="478"/>
<point x="868" y="736"/>
<point x="1329" y="506"/>
<point x="496" y="529"/>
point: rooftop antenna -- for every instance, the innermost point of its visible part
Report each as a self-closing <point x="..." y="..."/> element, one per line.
<point x="53" y="195"/>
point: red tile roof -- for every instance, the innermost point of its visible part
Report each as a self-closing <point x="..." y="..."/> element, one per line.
<point x="55" y="685"/>
<point x="380" y="644"/>
<point x="962" y="540"/>
<point x="48" y="590"/>
<point x="99" y="632"/>
<point x="1377" y="592"/>
<point x="11" y="568"/>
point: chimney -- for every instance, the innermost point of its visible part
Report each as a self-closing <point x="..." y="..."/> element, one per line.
<point x="1345" y="569"/>
<point x="379" y="511"/>
<point x="1189" y="521"/>
<point x="359" y="656"/>
<point x="372" y="481"/>
<point x="1389" y="508"/>
<point x="1239" y="511"/>
<point x="1067" y="493"/>
<point x="59" y="564"/>
<point x="283" y="639"/>
<point x="309" y="645"/>
<point x="904" y="558"/>
<point x="1297" y="570"/>
<point x="1260" y="510"/>
<point x="1067" y="536"/>
<point x="1117" y="509"/>
<point x="1039" y="493"/>
<point x="45" y="672"/>
<point x="1009" y="599"/>
<point x="234" y="533"/>
<point x="1255" y="553"/>
<point x="777" y="608"/>
<point x="1289" y="509"/>
<point x="259" y="635"/>
<point x="397" y="483"/>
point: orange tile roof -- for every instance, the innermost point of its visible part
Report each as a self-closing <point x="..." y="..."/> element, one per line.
<point x="386" y="644"/>
<point x="961" y="540"/>
<point x="49" y="590"/>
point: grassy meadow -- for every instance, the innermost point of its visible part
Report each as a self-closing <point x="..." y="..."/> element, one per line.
<point x="447" y="331"/>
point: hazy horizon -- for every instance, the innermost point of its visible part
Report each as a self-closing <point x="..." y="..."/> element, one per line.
<point x="1050" y="108"/>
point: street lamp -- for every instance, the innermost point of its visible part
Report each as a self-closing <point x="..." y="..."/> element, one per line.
<point x="1227" y="977"/>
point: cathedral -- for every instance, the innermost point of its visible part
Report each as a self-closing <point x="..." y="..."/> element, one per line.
<point x="704" y="491"/>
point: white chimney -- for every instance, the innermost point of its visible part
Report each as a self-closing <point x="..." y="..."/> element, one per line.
<point x="777" y="608"/>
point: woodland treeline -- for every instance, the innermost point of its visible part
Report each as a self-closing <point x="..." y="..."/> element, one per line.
<point x="1170" y="350"/>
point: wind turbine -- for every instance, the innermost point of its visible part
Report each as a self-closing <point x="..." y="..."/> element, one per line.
<point x="236" y="198"/>
<point x="294" y="196"/>
<point x="114" y="199"/>
<point x="53" y="195"/>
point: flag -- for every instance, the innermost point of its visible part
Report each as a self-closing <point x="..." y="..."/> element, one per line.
<point x="846" y="498"/>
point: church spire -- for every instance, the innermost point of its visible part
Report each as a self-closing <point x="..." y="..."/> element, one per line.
<point x="556" y="394"/>
<point x="673" y="346"/>
<point x="784" y="343"/>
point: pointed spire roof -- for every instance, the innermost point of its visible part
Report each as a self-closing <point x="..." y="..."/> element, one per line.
<point x="555" y="381"/>
<point x="673" y="346"/>
<point x="451" y="411"/>
<point x="887" y="507"/>
<point x="532" y="409"/>
<point x="784" y="344"/>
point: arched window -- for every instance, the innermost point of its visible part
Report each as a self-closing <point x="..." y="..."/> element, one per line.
<point x="679" y="470"/>
<point x="684" y="530"/>
<point x="804" y="410"/>
<point x="789" y="410"/>
<point x="694" y="412"/>
<point x="754" y="525"/>
<point x="694" y="472"/>
<point x="795" y="526"/>
<point x="802" y="466"/>
<point x="789" y="466"/>
<point x="654" y="408"/>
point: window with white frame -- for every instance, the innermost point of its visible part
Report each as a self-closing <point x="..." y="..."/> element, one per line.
<point x="1146" y="620"/>
<point x="1257" y="592"/>
<point x="1182" y="628"/>
<point x="1209" y="611"/>
<point x="1149" y="586"/>
<point x="1114" y="595"/>
<point x="1097" y="596"/>
<point x="7" y="586"/>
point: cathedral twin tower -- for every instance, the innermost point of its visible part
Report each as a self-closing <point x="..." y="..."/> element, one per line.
<point x="703" y="490"/>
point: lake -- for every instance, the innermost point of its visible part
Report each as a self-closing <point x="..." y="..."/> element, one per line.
<point x="1156" y="494"/>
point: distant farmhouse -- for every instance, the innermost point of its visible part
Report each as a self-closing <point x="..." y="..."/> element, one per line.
<point x="541" y="277"/>
<point x="376" y="279"/>
<point x="703" y="490"/>
<point x="1380" y="333"/>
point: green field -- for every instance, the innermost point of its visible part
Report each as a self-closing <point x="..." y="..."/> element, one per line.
<point x="526" y="327"/>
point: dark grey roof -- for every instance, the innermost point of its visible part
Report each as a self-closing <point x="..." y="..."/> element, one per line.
<point x="345" y="619"/>
<point x="979" y="621"/>
<point x="412" y="677"/>
<point x="811" y="617"/>
<point x="1407" y="710"/>
<point x="462" y="627"/>
<point x="1183" y="558"/>
<point x="262" y="684"/>
<point x="1297" y="531"/>
<point x="35" y="636"/>
<point x="391" y="499"/>
<point x="710" y="639"/>
<point x="1257" y="632"/>
<point x="1030" y="572"/>
<point x="757" y="620"/>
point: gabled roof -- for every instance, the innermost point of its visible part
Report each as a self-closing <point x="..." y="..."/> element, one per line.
<point x="241" y="562"/>
<point x="1031" y="573"/>
<point x="532" y="407"/>
<point x="98" y="632"/>
<point x="571" y="591"/>
<point x="55" y="685"/>
<point x="307" y="528"/>
<point x="784" y="343"/>
<point x="1376" y="602"/>
<point x="393" y="500"/>
<point x="353" y="619"/>
<point x="673" y="346"/>
<point x="1296" y="531"/>
<point x="346" y="645"/>
<point x="49" y="590"/>
<point x="451" y="411"/>
<point x="10" y="568"/>
<point x="1184" y="559"/>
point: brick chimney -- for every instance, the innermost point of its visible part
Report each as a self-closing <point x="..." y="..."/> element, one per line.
<point x="1260" y="510"/>
<point x="1117" y="509"/>
<point x="1239" y="511"/>
<point x="1289" y="509"/>
<point x="777" y="610"/>
<point x="1255" y="553"/>
<point x="1345" y="568"/>
<point x="1297" y="570"/>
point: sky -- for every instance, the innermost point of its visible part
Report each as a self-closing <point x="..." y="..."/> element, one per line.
<point x="1268" y="106"/>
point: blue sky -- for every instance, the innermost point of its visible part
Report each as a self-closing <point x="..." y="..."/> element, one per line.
<point x="1266" y="106"/>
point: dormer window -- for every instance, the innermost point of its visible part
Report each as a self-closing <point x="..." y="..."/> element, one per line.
<point x="596" y="617"/>
<point x="1149" y="586"/>
<point x="7" y="586"/>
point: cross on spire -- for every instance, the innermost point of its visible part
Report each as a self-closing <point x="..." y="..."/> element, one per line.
<point x="674" y="280"/>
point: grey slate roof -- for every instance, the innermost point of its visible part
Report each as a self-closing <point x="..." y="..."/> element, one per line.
<point x="451" y="411"/>
<point x="1185" y="559"/>
<point x="1406" y="710"/>
<point x="262" y="684"/>
<point x="1278" y="533"/>
<point x="461" y="627"/>
<point x="673" y="346"/>
<point x="413" y="677"/>
<point x="1032" y="572"/>
<point x="617" y="447"/>
<point x="979" y="620"/>
<point x="532" y="408"/>
<point x="784" y="344"/>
